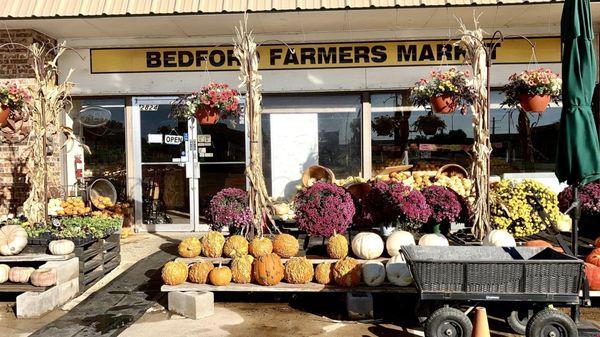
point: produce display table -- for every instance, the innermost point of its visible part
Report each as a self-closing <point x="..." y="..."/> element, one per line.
<point x="10" y="287"/>
<point x="30" y="257"/>
<point x="226" y="260"/>
<point x="287" y="287"/>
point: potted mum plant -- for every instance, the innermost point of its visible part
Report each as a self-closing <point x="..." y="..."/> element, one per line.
<point x="445" y="207"/>
<point x="429" y="124"/>
<point x="12" y="98"/>
<point x="229" y="207"/>
<point x="324" y="209"/>
<point x="213" y="102"/>
<point x="444" y="91"/>
<point x="393" y="205"/>
<point x="532" y="90"/>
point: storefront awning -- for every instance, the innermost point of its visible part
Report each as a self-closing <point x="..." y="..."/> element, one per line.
<point x="27" y="9"/>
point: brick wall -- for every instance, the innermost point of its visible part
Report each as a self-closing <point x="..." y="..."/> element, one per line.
<point x="16" y="66"/>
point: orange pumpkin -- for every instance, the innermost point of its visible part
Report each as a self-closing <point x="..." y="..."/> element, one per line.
<point x="592" y="273"/>
<point x="347" y="272"/>
<point x="298" y="270"/>
<point x="594" y="257"/>
<point x="198" y="272"/>
<point x="267" y="269"/>
<point x="235" y="245"/>
<point x="597" y="242"/>
<point x="260" y="246"/>
<point x="537" y="243"/>
<point x="174" y="273"/>
<point x="285" y="245"/>
<point x="220" y="276"/>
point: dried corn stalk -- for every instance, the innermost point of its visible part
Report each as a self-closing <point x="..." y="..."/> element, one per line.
<point x="475" y="54"/>
<point x="260" y="203"/>
<point x="49" y="98"/>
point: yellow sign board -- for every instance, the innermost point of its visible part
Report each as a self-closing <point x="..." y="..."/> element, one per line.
<point x="315" y="56"/>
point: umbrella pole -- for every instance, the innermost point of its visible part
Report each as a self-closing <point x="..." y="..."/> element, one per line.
<point x="574" y="238"/>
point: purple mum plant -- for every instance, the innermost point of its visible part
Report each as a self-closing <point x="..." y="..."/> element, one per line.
<point x="445" y="206"/>
<point x="395" y="203"/>
<point x="324" y="209"/>
<point x="589" y="196"/>
<point x="230" y="207"/>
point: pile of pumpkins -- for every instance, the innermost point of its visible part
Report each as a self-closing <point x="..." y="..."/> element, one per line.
<point x="260" y="261"/>
<point x="592" y="266"/>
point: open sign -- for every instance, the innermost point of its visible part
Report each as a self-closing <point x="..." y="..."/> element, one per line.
<point x="173" y="139"/>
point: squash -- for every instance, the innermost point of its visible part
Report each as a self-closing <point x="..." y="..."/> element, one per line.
<point x="61" y="247"/>
<point x="397" y="271"/>
<point x="597" y="242"/>
<point x="594" y="257"/>
<point x="367" y="245"/>
<point x="433" y="240"/>
<point x="20" y="274"/>
<point x="241" y="269"/>
<point x="235" y="245"/>
<point x="43" y="277"/>
<point x="198" y="272"/>
<point x="260" y="246"/>
<point x="337" y="246"/>
<point x="298" y="270"/>
<point x="373" y="273"/>
<point x="189" y="247"/>
<point x="13" y="238"/>
<point x="267" y="270"/>
<point x="592" y="273"/>
<point x="220" y="276"/>
<point x="212" y="244"/>
<point x="499" y="238"/>
<point x="285" y="245"/>
<point x="324" y="273"/>
<point x="347" y="272"/>
<point x="174" y="273"/>
<point x="537" y="243"/>
<point x="396" y="240"/>
<point x="4" y="268"/>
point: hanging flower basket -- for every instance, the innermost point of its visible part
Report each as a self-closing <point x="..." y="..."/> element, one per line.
<point x="443" y="104"/>
<point x="429" y="130"/>
<point x="4" y="113"/>
<point x="445" y="91"/>
<point x="532" y="90"/>
<point x="207" y="116"/>
<point x="534" y="103"/>
<point x="429" y="124"/>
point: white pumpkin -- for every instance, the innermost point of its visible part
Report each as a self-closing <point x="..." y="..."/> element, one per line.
<point x="373" y="273"/>
<point x="13" y="238"/>
<point x="4" y="268"/>
<point x="20" y="274"/>
<point x="61" y="247"/>
<point x="398" y="272"/>
<point x="367" y="246"/>
<point x="396" y="240"/>
<point x="433" y="240"/>
<point x="499" y="238"/>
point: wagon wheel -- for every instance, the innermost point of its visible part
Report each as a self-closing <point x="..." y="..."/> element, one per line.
<point x="551" y="323"/>
<point x="518" y="319"/>
<point x="423" y="310"/>
<point x="448" y="322"/>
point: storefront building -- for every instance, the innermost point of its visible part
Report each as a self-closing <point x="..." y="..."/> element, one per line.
<point x="331" y="70"/>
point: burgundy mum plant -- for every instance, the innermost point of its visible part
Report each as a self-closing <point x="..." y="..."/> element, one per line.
<point x="324" y="209"/>
<point x="395" y="203"/>
<point x="230" y="207"/>
<point x="445" y="206"/>
<point x="589" y="196"/>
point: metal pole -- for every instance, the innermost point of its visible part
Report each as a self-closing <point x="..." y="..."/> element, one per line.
<point x="576" y="215"/>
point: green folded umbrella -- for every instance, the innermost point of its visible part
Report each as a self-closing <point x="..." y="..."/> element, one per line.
<point x="578" y="157"/>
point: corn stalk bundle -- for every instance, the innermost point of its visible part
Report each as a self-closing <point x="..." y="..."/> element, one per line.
<point x="475" y="54"/>
<point x="49" y="98"/>
<point x="259" y="201"/>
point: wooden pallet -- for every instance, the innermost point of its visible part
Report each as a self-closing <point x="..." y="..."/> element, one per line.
<point x="287" y="287"/>
<point x="96" y="259"/>
<point x="31" y="257"/>
<point x="10" y="287"/>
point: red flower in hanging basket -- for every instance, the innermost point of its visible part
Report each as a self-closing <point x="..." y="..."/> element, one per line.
<point x="213" y="102"/>
<point x="532" y="90"/>
<point x="12" y="98"/>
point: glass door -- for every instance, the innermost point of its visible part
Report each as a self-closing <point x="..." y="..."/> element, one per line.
<point x="166" y="173"/>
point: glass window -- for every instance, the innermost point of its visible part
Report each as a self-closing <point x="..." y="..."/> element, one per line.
<point x="100" y="125"/>
<point x="227" y="141"/>
<point x="396" y="138"/>
<point x="310" y="130"/>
